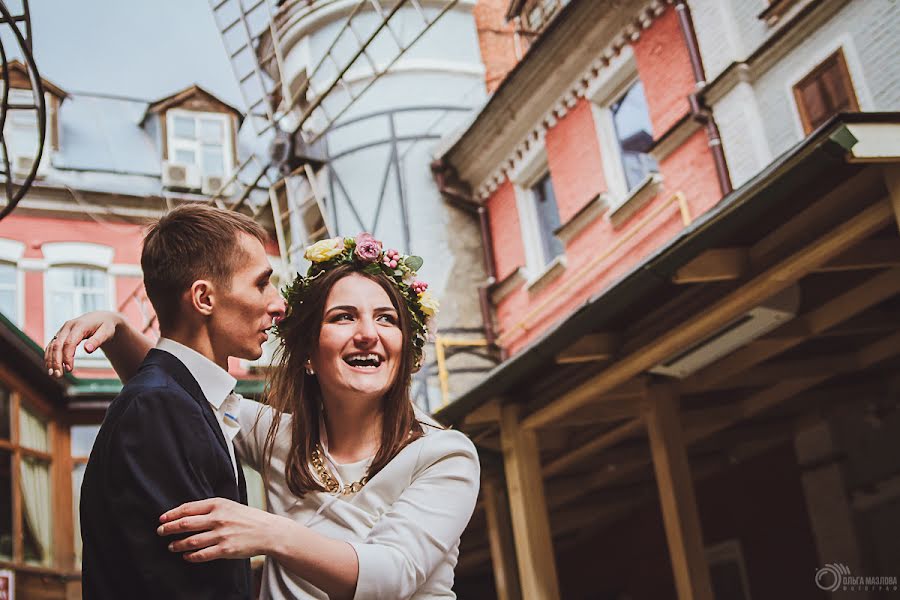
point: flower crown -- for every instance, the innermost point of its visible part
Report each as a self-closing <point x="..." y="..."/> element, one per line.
<point x="366" y="251"/>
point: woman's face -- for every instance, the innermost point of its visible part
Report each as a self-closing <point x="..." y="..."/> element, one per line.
<point x="360" y="343"/>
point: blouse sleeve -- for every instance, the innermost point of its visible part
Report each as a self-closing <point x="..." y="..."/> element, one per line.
<point x="255" y="419"/>
<point x="414" y="536"/>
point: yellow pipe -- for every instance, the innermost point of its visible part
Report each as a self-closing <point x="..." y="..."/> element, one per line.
<point x="440" y="343"/>
<point x="552" y="297"/>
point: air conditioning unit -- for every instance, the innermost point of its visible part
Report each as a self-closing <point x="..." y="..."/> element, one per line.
<point x="22" y="165"/>
<point x="755" y="323"/>
<point x="213" y="183"/>
<point x="177" y="176"/>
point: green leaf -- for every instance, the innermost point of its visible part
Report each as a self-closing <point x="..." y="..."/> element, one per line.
<point x="414" y="262"/>
<point x="398" y="273"/>
<point x="372" y="269"/>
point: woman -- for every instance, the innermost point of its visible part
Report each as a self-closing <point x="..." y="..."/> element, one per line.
<point x="368" y="498"/>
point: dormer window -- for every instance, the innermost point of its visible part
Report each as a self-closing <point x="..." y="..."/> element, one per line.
<point x="201" y="139"/>
<point x="196" y="132"/>
<point x="21" y="127"/>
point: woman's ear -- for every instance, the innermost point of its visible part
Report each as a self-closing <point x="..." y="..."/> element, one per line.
<point x="202" y="296"/>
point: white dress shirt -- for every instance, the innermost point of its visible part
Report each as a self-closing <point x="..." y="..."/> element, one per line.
<point x="404" y="525"/>
<point x="217" y="385"/>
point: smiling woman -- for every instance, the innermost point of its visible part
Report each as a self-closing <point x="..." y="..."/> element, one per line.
<point x="367" y="496"/>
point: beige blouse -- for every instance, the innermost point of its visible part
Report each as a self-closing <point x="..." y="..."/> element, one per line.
<point x="405" y="524"/>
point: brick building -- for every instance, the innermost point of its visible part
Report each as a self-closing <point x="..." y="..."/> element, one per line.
<point x="690" y="216"/>
<point x="73" y="244"/>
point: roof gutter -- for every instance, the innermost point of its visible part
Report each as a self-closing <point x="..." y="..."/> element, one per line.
<point x="459" y="193"/>
<point x="700" y="111"/>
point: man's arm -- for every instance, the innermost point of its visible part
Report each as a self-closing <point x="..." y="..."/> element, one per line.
<point x="163" y="453"/>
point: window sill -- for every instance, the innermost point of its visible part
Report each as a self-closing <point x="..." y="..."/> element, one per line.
<point x="507" y="285"/>
<point x="550" y="273"/>
<point x="586" y="215"/>
<point x="636" y="199"/>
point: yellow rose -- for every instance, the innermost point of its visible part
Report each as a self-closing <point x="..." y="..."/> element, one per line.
<point x="324" y="250"/>
<point x="429" y="303"/>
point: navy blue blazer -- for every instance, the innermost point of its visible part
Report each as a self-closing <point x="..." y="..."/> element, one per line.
<point x="160" y="446"/>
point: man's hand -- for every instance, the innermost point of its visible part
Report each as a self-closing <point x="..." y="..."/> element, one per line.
<point x="94" y="328"/>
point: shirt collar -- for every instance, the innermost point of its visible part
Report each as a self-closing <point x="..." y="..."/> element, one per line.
<point x="215" y="381"/>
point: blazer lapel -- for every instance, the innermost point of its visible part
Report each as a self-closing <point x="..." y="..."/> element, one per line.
<point x="183" y="377"/>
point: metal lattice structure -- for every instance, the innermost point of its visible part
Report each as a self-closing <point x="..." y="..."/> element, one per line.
<point x="295" y="116"/>
<point x="20" y="26"/>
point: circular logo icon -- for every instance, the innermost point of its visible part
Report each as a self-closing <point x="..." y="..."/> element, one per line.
<point x="829" y="577"/>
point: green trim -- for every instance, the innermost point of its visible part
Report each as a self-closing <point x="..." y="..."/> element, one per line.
<point x="112" y="387"/>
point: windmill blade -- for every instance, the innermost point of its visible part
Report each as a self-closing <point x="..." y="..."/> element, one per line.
<point x="299" y="113"/>
<point x="324" y="107"/>
<point x="15" y="189"/>
<point x="247" y="29"/>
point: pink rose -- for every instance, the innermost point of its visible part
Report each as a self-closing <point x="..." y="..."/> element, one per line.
<point x="368" y="249"/>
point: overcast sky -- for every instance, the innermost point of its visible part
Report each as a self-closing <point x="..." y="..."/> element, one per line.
<point x="137" y="48"/>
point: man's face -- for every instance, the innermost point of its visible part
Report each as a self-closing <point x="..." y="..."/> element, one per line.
<point x="242" y="313"/>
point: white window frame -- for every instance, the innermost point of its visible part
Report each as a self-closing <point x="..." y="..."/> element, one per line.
<point x="78" y="255"/>
<point x="608" y="88"/>
<point x="11" y="253"/>
<point x="173" y="143"/>
<point x="524" y="177"/>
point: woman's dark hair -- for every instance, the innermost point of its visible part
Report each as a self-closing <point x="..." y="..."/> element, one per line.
<point x="293" y="391"/>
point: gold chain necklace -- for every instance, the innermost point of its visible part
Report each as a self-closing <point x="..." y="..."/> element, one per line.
<point x="330" y="483"/>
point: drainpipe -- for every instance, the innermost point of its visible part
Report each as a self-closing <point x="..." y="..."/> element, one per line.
<point x="459" y="194"/>
<point x="699" y="110"/>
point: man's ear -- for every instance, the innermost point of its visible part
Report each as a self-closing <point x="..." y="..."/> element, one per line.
<point x="203" y="296"/>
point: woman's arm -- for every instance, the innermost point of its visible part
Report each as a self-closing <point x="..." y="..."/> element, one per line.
<point x="232" y="530"/>
<point x="403" y="549"/>
<point x="124" y="346"/>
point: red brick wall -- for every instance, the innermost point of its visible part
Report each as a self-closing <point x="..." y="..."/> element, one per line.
<point x="509" y="253"/>
<point x="496" y="39"/>
<point x="573" y="155"/>
<point x="664" y="67"/>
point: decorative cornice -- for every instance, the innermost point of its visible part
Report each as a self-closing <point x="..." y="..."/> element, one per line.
<point x="629" y="34"/>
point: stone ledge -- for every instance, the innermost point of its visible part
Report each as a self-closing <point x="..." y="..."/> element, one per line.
<point x="636" y="200"/>
<point x="552" y="271"/>
<point x="586" y="215"/>
<point x="507" y="285"/>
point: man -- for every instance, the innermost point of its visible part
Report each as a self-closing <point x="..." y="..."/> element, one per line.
<point x="166" y="438"/>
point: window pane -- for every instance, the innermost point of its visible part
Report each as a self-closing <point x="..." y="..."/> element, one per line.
<point x="37" y="522"/>
<point x="8" y="304"/>
<point x="212" y="130"/>
<point x="6" y="538"/>
<point x="213" y="160"/>
<point x="7" y="274"/>
<point x="82" y="438"/>
<point x="77" y="478"/>
<point x="32" y="431"/>
<point x="184" y="128"/>
<point x="72" y="291"/>
<point x="185" y="157"/>
<point x="4" y="413"/>
<point x="548" y="217"/>
<point x="635" y="134"/>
